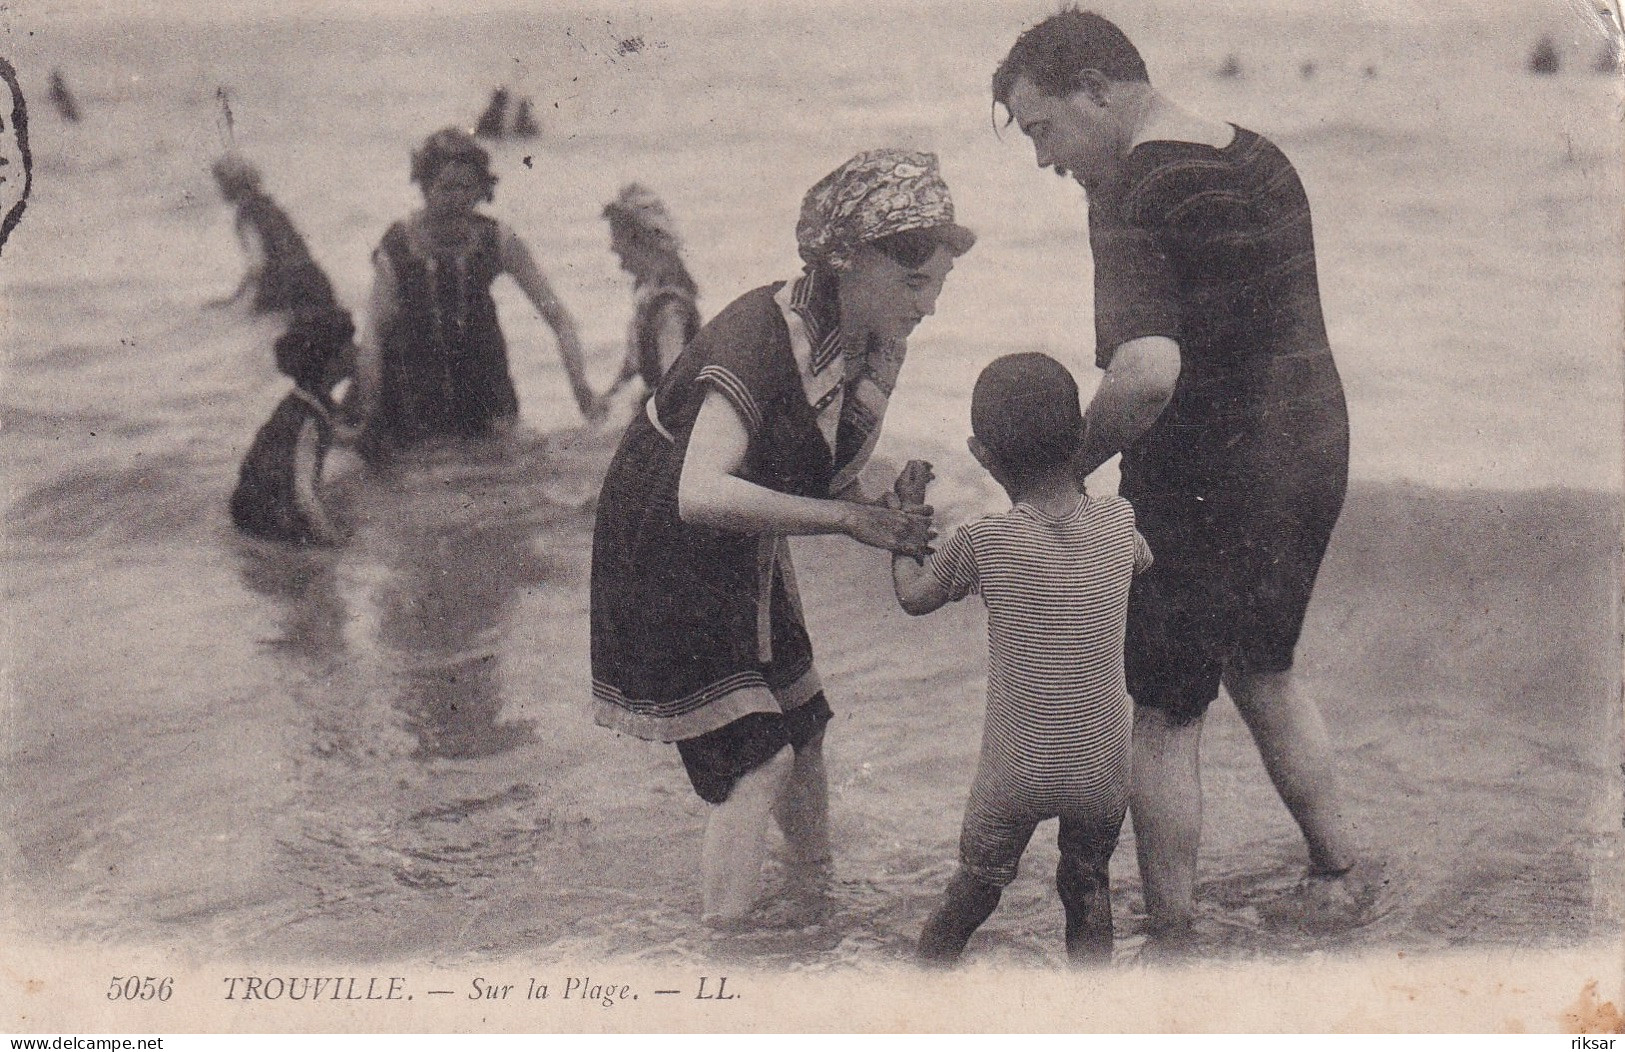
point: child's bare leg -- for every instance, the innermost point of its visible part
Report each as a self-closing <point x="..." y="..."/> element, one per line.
<point x="736" y="843"/>
<point x="966" y="904"/>
<point x="802" y="807"/>
<point x="1085" y="886"/>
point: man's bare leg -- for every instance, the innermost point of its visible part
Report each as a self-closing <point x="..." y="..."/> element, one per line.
<point x="1297" y="752"/>
<point x="1165" y="801"/>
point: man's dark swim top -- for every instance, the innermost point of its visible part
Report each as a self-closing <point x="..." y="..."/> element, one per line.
<point x="1213" y="248"/>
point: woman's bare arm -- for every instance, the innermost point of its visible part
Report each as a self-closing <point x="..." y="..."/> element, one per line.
<point x="518" y="261"/>
<point x="382" y="304"/>
<point x="711" y="493"/>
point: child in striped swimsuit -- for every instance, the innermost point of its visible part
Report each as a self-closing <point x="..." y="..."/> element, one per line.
<point x="1054" y="572"/>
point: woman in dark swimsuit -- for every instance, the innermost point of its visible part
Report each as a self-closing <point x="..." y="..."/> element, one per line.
<point x="755" y="434"/>
<point x="665" y="315"/>
<point x="432" y="361"/>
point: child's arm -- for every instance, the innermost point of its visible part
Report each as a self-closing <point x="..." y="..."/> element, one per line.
<point x="918" y="590"/>
<point x="307" y="471"/>
<point x="1143" y="556"/>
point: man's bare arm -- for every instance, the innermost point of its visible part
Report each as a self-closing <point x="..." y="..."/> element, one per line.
<point x="1136" y="389"/>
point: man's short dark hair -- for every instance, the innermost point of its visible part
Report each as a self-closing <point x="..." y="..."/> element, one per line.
<point x="1053" y="53"/>
<point x="1024" y="410"/>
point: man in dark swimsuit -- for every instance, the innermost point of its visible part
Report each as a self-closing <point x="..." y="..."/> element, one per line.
<point x="1221" y="394"/>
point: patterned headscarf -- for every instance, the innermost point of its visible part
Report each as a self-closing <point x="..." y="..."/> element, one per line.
<point x="639" y="206"/>
<point x="874" y="195"/>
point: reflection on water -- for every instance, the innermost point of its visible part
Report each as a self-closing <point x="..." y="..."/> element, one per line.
<point x="415" y="783"/>
<point x="385" y="751"/>
<point x="310" y="613"/>
<point x="444" y="617"/>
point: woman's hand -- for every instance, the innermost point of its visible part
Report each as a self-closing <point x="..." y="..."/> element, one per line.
<point x="710" y="493"/>
<point x="904" y="530"/>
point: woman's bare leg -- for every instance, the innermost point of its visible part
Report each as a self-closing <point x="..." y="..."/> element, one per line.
<point x="802" y="807"/>
<point x="736" y="842"/>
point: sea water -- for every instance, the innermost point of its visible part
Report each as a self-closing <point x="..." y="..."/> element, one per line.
<point x="386" y="751"/>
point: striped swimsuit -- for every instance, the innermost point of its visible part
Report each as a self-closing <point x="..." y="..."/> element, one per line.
<point x="1059" y="717"/>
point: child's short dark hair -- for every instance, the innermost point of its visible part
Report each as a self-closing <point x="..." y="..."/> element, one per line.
<point x="1025" y="412"/>
<point x="311" y="351"/>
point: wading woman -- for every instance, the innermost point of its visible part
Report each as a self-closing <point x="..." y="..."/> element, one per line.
<point x="665" y="315"/>
<point x="757" y="433"/>
<point x="432" y="360"/>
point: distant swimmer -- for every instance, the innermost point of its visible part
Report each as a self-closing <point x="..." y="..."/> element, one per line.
<point x="1607" y="60"/>
<point x="524" y="122"/>
<point x="664" y="313"/>
<point x="432" y="358"/>
<point x="281" y="274"/>
<point x="493" y="122"/>
<point x="1544" y="60"/>
<point x="62" y="98"/>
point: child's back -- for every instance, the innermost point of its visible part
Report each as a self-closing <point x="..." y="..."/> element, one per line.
<point x="277" y="496"/>
<point x="1059" y="717"/>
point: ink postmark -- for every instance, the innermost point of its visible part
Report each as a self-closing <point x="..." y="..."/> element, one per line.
<point x="16" y="167"/>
